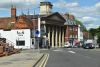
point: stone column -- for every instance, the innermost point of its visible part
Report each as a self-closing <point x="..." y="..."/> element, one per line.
<point x="59" y="36"/>
<point x="56" y="45"/>
<point x="62" y="36"/>
<point x="52" y="36"/>
<point x="45" y="35"/>
<point x="49" y="34"/>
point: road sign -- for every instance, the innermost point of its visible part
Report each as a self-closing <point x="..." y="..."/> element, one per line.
<point x="37" y="33"/>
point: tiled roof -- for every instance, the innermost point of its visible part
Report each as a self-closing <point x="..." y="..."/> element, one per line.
<point x="21" y="22"/>
<point x="5" y="23"/>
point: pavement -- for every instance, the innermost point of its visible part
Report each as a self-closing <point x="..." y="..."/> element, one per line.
<point x="27" y="58"/>
<point x="96" y="49"/>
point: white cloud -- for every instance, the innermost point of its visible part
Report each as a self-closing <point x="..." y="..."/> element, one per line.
<point x="65" y="4"/>
<point x="86" y="18"/>
<point x="19" y="3"/>
<point x="97" y="4"/>
<point x="92" y="26"/>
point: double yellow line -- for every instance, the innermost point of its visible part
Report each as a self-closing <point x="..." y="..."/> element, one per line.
<point x="43" y="61"/>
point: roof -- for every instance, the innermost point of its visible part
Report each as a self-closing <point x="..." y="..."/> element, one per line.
<point x="21" y="23"/>
<point x="70" y="22"/>
<point x="45" y="3"/>
<point x="5" y="22"/>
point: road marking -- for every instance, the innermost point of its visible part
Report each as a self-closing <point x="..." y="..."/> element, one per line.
<point x="46" y="61"/>
<point x="72" y="52"/>
<point x="43" y="61"/>
<point x="69" y="48"/>
<point x="57" y="50"/>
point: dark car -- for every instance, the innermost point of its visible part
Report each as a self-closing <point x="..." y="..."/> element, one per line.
<point x="88" y="46"/>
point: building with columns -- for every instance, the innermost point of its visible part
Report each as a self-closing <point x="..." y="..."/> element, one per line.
<point x="51" y="25"/>
<point x="52" y="28"/>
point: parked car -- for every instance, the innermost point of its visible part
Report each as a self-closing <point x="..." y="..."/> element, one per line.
<point x="88" y="46"/>
<point x="67" y="45"/>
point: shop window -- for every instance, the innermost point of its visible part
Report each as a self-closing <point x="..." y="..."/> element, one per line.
<point x="20" y="43"/>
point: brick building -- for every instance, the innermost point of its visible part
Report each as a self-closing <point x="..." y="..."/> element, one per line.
<point x="71" y="29"/>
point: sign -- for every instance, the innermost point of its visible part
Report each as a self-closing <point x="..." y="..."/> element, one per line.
<point x="20" y="33"/>
<point x="37" y="33"/>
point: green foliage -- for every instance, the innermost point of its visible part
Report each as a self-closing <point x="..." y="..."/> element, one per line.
<point x="95" y="32"/>
<point x="98" y="34"/>
<point x="81" y="24"/>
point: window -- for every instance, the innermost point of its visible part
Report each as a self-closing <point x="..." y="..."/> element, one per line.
<point x="76" y="36"/>
<point x="70" y="36"/>
<point x="20" y="43"/>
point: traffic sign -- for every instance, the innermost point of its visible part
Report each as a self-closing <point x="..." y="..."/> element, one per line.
<point x="37" y="33"/>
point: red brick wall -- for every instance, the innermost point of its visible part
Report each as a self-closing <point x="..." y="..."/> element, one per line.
<point x="13" y="14"/>
<point x="68" y="32"/>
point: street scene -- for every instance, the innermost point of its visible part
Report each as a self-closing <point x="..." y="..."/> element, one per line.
<point x="49" y="33"/>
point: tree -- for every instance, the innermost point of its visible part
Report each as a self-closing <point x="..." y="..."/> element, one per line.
<point x="98" y="35"/>
<point x="92" y="32"/>
<point x="95" y="32"/>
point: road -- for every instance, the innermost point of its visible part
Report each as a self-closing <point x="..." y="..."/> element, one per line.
<point x="75" y="57"/>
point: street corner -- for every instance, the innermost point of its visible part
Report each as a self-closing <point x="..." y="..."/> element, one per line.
<point x="42" y="61"/>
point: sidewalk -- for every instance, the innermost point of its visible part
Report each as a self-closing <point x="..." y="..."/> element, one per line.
<point x="27" y="58"/>
<point x="96" y="49"/>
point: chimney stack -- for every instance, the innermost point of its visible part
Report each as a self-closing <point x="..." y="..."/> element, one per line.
<point x="71" y="17"/>
<point x="13" y="13"/>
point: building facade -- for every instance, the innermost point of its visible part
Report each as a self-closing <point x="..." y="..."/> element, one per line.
<point x="53" y="26"/>
<point x="17" y="30"/>
<point x="71" y="30"/>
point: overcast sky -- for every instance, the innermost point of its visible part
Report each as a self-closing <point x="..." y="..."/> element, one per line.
<point x="87" y="11"/>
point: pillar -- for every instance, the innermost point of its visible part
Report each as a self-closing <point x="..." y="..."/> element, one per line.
<point x="49" y="34"/>
<point x="59" y="36"/>
<point x="45" y="35"/>
<point x="56" y="39"/>
<point x="52" y="36"/>
<point x="62" y="36"/>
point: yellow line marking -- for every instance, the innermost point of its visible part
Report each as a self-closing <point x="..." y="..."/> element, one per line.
<point x="46" y="61"/>
<point x="43" y="63"/>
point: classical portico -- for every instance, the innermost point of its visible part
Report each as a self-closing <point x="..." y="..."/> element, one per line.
<point x="54" y="29"/>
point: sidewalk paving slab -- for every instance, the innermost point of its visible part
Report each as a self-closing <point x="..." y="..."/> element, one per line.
<point x="26" y="58"/>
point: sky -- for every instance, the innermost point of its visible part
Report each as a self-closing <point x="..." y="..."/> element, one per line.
<point x="87" y="11"/>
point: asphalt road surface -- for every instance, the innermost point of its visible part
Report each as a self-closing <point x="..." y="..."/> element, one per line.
<point x="74" y="57"/>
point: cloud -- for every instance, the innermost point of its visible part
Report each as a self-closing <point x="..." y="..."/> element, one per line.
<point x="88" y="26"/>
<point x="88" y="19"/>
<point x="64" y="4"/>
<point x="97" y="4"/>
<point x="19" y="3"/>
<point x="89" y="15"/>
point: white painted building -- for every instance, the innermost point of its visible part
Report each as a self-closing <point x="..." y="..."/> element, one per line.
<point x="21" y="38"/>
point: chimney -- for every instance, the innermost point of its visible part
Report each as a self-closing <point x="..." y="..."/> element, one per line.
<point x="71" y="17"/>
<point x="13" y="13"/>
<point x="66" y="16"/>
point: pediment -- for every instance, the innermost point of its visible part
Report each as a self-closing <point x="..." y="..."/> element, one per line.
<point x="56" y="17"/>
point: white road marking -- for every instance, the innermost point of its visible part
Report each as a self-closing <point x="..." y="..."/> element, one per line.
<point x="57" y="50"/>
<point x="69" y="48"/>
<point x="72" y="52"/>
